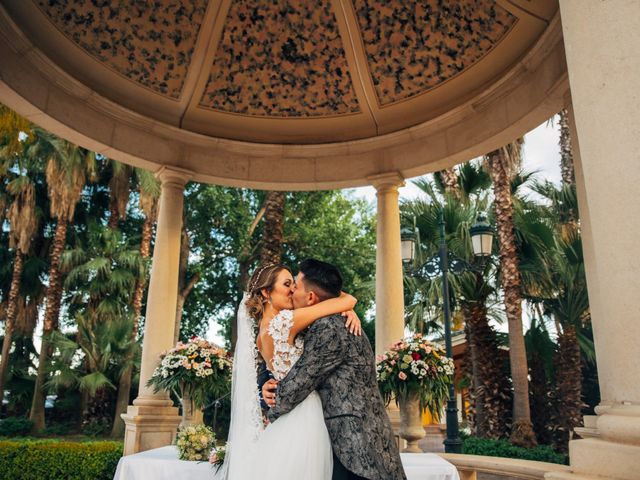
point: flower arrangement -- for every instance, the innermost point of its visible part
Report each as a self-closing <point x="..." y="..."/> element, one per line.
<point x="416" y="366"/>
<point x="193" y="369"/>
<point x="195" y="442"/>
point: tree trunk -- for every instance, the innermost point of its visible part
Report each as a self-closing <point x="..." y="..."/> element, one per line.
<point x="540" y="393"/>
<point x="273" y="233"/>
<point x="566" y="154"/>
<point x="522" y="430"/>
<point x="124" y="384"/>
<point x="184" y="286"/>
<point x="450" y="181"/>
<point x="10" y="321"/>
<point x="491" y="389"/>
<point x="113" y="216"/>
<point x="567" y="411"/>
<point x="54" y="297"/>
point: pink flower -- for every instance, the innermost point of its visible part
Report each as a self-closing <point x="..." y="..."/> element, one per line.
<point x="402" y="376"/>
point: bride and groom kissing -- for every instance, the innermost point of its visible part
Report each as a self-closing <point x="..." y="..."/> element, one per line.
<point x="326" y="416"/>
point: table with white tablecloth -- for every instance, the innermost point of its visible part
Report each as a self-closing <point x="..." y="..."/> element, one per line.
<point x="163" y="464"/>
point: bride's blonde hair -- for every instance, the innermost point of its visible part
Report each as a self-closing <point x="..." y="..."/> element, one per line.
<point x="263" y="278"/>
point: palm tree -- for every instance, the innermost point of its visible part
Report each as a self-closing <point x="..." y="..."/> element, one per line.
<point x="67" y="169"/>
<point x="22" y="217"/>
<point x="502" y="164"/>
<point x="568" y="303"/>
<point x="101" y="277"/>
<point x="566" y="153"/>
<point x="118" y="192"/>
<point x="273" y="233"/>
<point x="473" y="290"/>
<point x="450" y="182"/>
<point x="149" y="195"/>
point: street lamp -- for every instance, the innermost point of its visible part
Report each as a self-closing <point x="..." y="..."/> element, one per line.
<point x="482" y="241"/>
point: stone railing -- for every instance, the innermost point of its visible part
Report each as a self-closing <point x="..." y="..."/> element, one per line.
<point x="469" y="466"/>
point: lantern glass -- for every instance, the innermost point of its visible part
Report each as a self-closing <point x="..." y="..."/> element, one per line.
<point x="408" y="246"/>
<point x="482" y="238"/>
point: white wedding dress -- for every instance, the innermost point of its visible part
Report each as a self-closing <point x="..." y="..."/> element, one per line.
<point x="297" y="445"/>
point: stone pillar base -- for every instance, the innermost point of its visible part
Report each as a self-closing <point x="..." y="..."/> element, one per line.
<point x="595" y="458"/>
<point x="149" y="427"/>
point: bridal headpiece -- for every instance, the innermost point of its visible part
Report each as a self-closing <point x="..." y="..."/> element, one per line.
<point x="255" y="278"/>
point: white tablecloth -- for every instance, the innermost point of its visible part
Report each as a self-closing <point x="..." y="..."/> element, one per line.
<point x="163" y="464"/>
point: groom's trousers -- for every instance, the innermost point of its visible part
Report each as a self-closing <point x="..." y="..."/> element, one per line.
<point x="340" y="472"/>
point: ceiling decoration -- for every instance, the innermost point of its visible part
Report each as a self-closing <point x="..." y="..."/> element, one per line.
<point x="412" y="47"/>
<point x="148" y="41"/>
<point x="280" y="59"/>
<point x="283" y="71"/>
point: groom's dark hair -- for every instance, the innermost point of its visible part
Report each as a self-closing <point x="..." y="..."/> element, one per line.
<point x="322" y="278"/>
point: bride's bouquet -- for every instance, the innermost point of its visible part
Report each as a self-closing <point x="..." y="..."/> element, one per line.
<point x="415" y="366"/>
<point x="193" y="370"/>
<point x="195" y="442"/>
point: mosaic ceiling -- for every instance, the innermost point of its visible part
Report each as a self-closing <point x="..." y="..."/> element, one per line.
<point x="286" y="59"/>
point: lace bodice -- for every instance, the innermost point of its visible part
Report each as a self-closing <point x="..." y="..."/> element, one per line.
<point x="284" y="355"/>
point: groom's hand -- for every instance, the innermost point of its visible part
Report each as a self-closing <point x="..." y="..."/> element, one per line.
<point x="269" y="392"/>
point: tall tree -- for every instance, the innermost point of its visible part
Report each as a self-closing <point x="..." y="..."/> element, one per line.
<point x="450" y="182"/>
<point x="23" y="220"/>
<point x="272" y="237"/>
<point x="119" y="191"/>
<point x="472" y="290"/>
<point x="502" y="164"/>
<point x="101" y="276"/>
<point x="566" y="153"/>
<point x="67" y="169"/>
<point x="149" y="196"/>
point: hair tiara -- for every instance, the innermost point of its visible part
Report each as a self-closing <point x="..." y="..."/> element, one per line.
<point x="256" y="276"/>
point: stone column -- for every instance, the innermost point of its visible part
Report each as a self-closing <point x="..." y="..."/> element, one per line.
<point x="603" y="59"/>
<point x="151" y="421"/>
<point x="389" y="276"/>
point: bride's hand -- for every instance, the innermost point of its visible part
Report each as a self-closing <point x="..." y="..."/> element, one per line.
<point x="353" y="324"/>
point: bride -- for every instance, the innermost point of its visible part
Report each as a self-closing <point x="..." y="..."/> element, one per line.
<point x="298" y="444"/>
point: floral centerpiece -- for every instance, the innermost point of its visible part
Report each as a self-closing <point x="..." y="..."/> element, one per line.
<point x="195" y="442"/>
<point x="193" y="370"/>
<point x="415" y="365"/>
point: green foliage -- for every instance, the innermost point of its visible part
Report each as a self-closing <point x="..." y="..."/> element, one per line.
<point x="57" y="429"/>
<point x="15" y="426"/>
<point x="328" y="225"/>
<point x="502" y="448"/>
<point x="96" y="427"/>
<point x="52" y="460"/>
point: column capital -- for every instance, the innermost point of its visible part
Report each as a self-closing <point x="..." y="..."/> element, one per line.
<point x="386" y="181"/>
<point x="173" y="175"/>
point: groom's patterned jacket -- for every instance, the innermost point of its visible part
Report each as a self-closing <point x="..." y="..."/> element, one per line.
<point x="341" y="367"/>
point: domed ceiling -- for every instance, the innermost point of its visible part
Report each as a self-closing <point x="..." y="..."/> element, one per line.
<point x="277" y="71"/>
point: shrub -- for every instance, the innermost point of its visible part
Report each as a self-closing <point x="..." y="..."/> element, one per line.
<point x="96" y="427"/>
<point x="13" y="426"/>
<point x="58" y="429"/>
<point x="53" y="460"/>
<point x="502" y="448"/>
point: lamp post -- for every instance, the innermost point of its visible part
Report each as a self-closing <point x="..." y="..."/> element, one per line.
<point x="481" y="240"/>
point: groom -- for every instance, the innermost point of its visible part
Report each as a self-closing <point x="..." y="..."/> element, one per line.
<point x="341" y="367"/>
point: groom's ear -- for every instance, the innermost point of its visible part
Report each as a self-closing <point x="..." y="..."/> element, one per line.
<point x="312" y="298"/>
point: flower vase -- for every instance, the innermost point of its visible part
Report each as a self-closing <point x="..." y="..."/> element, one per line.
<point x="411" y="428"/>
<point x="190" y="414"/>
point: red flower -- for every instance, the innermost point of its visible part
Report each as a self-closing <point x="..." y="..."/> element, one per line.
<point x="415" y="355"/>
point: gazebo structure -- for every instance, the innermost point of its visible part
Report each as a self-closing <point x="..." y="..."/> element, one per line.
<point x="330" y="94"/>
